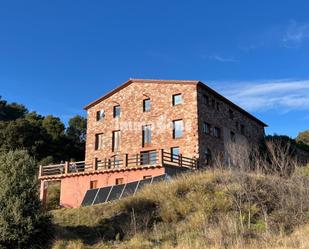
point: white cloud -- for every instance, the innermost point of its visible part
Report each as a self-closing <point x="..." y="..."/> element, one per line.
<point x="281" y="95"/>
<point x="222" y="59"/>
<point x="295" y="34"/>
<point x="292" y="34"/>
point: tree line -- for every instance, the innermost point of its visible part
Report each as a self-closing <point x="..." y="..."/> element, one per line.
<point x="44" y="137"/>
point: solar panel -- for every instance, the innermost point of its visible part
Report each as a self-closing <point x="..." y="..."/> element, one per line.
<point x="158" y="178"/>
<point x="129" y="189"/>
<point x="110" y="193"/>
<point x="89" y="197"/>
<point x="102" y="195"/>
<point x="115" y="192"/>
<point x="144" y="182"/>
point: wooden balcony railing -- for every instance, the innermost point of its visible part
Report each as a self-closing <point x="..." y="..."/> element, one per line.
<point x="179" y="160"/>
<point x="152" y="158"/>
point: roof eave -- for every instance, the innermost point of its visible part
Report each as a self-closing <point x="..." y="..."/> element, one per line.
<point x="128" y="82"/>
<point x="98" y="100"/>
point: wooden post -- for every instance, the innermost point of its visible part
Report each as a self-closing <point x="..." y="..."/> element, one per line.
<point x="66" y="167"/>
<point x="95" y="164"/>
<point x="194" y="164"/>
<point x="125" y="162"/>
<point x="161" y="157"/>
<point x="105" y="163"/>
<point x="40" y="170"/>
<point x="180" y="160"/>
<point x="42" y="193"/>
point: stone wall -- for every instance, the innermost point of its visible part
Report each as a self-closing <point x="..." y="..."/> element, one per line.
<point x="193" y="111"/>
<point x="132" y="119"/>
<point x="217" y="113"/>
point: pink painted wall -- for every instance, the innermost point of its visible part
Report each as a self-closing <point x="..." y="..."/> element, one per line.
<point x="73" y="188"/>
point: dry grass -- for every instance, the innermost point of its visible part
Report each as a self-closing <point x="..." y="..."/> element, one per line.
<point x="211" y="209"/>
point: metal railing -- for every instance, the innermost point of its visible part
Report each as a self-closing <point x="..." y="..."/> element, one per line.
<point x="150" y="158"/>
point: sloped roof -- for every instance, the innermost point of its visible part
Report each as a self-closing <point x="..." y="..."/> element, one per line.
<point x="189" y="82"/>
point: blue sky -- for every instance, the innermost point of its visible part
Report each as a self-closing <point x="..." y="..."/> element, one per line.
<point x="56" y="56"/>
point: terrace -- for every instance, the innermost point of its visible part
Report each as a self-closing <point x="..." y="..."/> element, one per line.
<point x="156" y="158"/>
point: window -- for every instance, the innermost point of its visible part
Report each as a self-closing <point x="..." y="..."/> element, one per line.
<point x="232" y="135"/>
<point x="175" y="152"/>
<point x="177" y="128"/>
<point x="116" y="140"/>
<point x="207" y="155"/>
<point x="205" y="99"/>
<point x="117" y="111"/>
<point x="93" y="184"/>
<point x="148" y="157"/>
<point x="177" y="99"/>
<point x="146" y="105"/>
<point x="99" y="141"/>
<point x="237" y="125"/>
<point x="242" y="129"/>
<point x="119" y="181"/>
<point x="206" y="128"/>
<point x="100" y="115"/>
<point x="218" y="106"/>
<point x="217" y="132"/>
<point x="231" y="114"/>
<point x="213" y="103"/>
<point x="146" y="135"/>
<point x="147" y="177"/>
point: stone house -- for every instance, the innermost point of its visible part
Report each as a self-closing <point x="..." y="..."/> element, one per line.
<point x="133" y="129"/>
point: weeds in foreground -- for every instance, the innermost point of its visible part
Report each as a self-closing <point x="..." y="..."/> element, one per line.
<point x="210" y="209"/>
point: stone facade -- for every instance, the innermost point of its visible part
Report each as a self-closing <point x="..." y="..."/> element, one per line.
<point x="132" y="118"/>
<point x="200" y="105"/>
<point x="239" y="130"/>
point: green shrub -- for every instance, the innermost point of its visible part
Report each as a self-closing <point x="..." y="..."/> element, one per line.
<point x="53" y="196"/>
<point x="23" y="223"/>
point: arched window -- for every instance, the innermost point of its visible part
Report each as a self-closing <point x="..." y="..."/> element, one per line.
<point x="207" y="157"/>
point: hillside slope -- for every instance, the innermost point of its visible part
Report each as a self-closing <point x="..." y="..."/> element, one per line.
<point x="211" y="209"/>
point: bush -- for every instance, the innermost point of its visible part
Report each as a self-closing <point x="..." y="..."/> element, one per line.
<point x="23" y="223"/>
<point x="53" y="195"/>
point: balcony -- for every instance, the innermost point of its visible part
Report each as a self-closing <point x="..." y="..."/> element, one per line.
<point x="158" y="158"/>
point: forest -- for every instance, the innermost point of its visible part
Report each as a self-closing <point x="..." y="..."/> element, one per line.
<point x="46" y="138"/>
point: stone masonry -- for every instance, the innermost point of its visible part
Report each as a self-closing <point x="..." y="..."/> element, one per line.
<point x="200" y="104"/>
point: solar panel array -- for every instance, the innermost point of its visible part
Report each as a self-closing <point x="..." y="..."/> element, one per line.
<point x="116" y="192"/>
